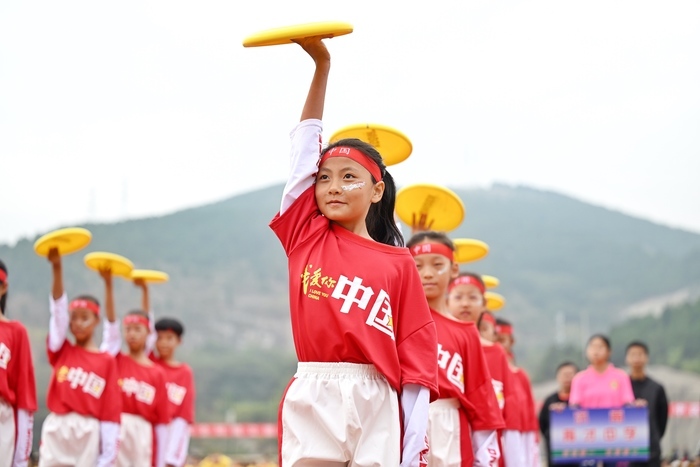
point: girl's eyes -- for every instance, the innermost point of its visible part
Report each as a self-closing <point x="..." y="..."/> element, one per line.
<point x="346" y="176"/>
<point x="322" y="177"/>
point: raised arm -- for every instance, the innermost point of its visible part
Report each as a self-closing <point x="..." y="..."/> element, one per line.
<point x="146" y="306"/>
<point x="58" y="305"/>
<point x="306" y="137"/>
<point x="111" y="333"/>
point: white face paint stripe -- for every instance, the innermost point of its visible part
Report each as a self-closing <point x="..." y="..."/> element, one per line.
<point x="352" y="186"/>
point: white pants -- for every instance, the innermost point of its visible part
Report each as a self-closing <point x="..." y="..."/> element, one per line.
<point x="135" y="442"/>
<point x="69" y="440"/>
<point x="342" y="414"/>
<point x="444" y="433"/>
<point x="7" y="434"/>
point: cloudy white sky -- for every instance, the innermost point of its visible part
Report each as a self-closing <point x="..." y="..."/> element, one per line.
<point x="132" y="108"/>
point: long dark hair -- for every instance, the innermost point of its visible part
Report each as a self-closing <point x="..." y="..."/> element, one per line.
<point x="3" y="299"/>
<point x="380" y="218"/>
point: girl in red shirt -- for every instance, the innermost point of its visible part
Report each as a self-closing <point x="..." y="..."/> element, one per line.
<point x="83" y="426"/>
<point x="17" y="386"/>
<point x="362" y="329"/>
<point x="463" y="423"/>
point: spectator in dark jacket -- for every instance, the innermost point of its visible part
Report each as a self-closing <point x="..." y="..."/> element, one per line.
<point x="557" y="401"/>
<point x="645" y="388"/>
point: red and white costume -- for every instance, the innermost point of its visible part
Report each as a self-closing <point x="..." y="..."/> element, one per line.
<point x="528" y="413"/>
<point x="504" y="387"/>
<point x="83" y="397"/>
<point x="17" y="395"/>
<point x="464" y="421"/>
<point x="362" y="332"/>
<point x="145" y="414"/>
<point x="179" y="382"/>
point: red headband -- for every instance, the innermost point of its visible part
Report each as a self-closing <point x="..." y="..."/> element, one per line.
<point x="83" y="304"/>
<point x="504" y="329"/>
<point x="355" y="154"/>
<point x="488" y="317"/>
<point x="3" y="276"/>
<point x="433" y="249"/>
<point x="467" y="280"/>
<point x="136" y="319"/>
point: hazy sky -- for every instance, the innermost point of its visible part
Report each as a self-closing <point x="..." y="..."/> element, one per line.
<point x="132" y="108"/>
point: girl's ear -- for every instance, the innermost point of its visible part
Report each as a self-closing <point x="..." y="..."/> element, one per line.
<point x="378" y="192"/>
<point x="455" y="270"/>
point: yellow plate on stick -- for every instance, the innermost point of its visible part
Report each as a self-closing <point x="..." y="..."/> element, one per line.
<point x="393" y="145"/>
<point x="490" y="282"/>
<point x="150" y="276"/>
<point x="437" y="207"/>
<point x="287" y="34"/>
<point x="67" y="241"/>
<point x="468" y="250"/>
<point x="494" y="301"/>
<point x="101" y="260"/>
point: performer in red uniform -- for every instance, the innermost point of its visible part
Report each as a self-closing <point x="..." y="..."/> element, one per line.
<point x="17" y="386"/>
<point x="83" y="426"/>
<point x="467" y="303"/>
<point x="144" y="417"/>
<point x="362" y="328"/>
<point x="530" y="424"/>
<point x="464" y="421"/>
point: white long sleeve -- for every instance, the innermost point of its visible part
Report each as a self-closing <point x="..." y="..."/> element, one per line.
<point x="23" y="443"/>
<point x="486" y="452"/>
<point x="178" y="442"/>
<point x="415" y="400"/>
<point x="152" y="333"/>
<point x="111" y="337"/>
<point x="109" y="443"/>
<point x="58" y="322"/>
<point x="161" y="443"/>
<point x="514" y="448"/>
<point x="304" y="157"/>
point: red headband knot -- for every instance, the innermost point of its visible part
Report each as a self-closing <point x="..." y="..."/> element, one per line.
<point x="136" y="319"/>
<point x="504" y="329"/>
<point x="488" y="318"/>
<point x="358" y="156"/>
<point x="432" y="249"/>
<point x="468" y="280"/>
<point x="3" y="276"/>
<point x="82" y="304"/>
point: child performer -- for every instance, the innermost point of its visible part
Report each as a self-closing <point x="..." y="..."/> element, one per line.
<point x="83" y="426"/>
<point x="144" y="415"/>
<point x="362" y="328"/>
<point x="17" y="386"/>
<point x="166" y="337"/>
<point x="464" y="421"/>
<point x="531" y="428"/>
<point x="466" y="302"/>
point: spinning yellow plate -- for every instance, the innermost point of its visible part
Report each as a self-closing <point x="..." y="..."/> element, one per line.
<point x="469" y="249"/>
<point x="67" y="241"/>
<point x="494" y="301"/>
<point x="100" y="260"/>
<point x="433" y="203"/>
<point x="393" y="145"/>
<point x="285" y="35"/>
<point x="490" y="282"/>
<point x="149" y="276"/>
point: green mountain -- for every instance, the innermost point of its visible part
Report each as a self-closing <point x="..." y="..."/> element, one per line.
<point x="553" y="255"/>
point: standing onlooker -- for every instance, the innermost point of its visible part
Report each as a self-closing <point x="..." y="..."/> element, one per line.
<point x="645" y="388"/>
<point x="557" y="401"/>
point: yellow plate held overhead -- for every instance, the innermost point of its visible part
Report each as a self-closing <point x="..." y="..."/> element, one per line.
<point x="286" y="34"/>
<point x="67" y="241"/>
<point x="468" y="250"/>
<point x="490" y="282"/>
<point x="393" y="145"/>
<point x="100" y="260"/>
<point x="438" y="208"/>
<point x="149" y="275"/>
<point x="494" y="301"/>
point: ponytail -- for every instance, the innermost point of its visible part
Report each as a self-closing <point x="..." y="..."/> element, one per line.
<point x="380" y="222"/>
<point x="3" y="299"/>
